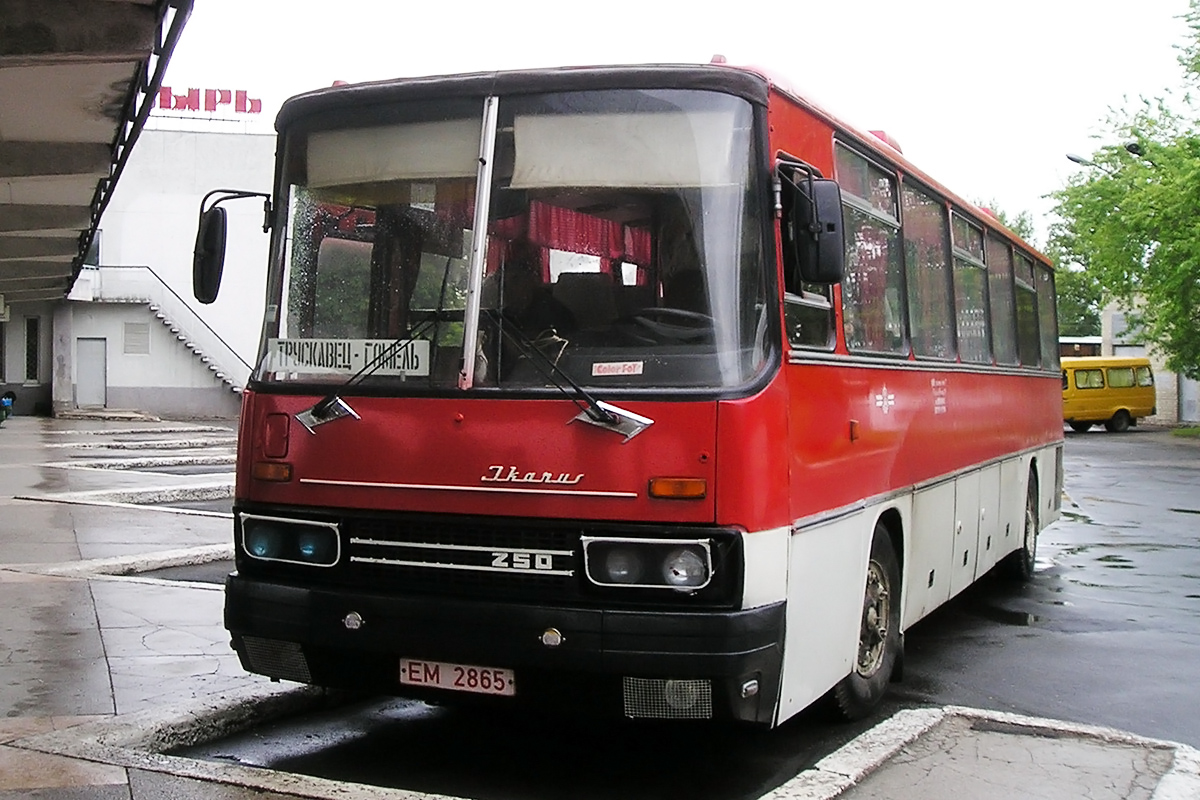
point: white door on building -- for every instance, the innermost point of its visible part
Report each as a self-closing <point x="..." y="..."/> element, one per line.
<point x="91" y="371"/>
<point x="1189" y="400"/>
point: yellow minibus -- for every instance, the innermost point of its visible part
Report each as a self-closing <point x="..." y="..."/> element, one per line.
<point x="1107" y="389"/>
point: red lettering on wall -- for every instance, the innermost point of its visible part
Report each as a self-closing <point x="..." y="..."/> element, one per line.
<point x="213" y="101"/>
<point x="246" y="105"/>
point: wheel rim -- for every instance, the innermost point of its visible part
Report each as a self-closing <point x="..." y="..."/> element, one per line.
<point x="1030" y="537"/>
<point x="872" y="637"/>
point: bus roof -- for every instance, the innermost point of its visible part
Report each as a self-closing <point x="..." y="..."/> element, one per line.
<point x="752" y="83"/>
<point x="742" y="83"/>
<point x="1104" y="361"/>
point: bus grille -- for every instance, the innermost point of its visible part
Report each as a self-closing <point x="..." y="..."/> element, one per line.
<point x="657" y="698"/>
<point x="276" y="659"/>
<point x="499" y="561"/>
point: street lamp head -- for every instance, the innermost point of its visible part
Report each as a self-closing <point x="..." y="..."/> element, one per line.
<point x="1135" y="148"/>
<point x="1081" y="160"/>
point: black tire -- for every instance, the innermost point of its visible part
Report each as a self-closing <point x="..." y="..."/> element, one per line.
<point x="879" y="633"/>
<point x="1019" y="564"/>
<point x="1080" y="427"/>
<point x="1119" y="423"/>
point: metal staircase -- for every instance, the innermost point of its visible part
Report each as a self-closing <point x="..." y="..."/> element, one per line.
<point x="142" y="285"/>
<point x="205" y="359"/>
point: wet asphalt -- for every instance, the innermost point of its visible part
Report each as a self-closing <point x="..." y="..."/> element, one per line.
<point x="1106" y="634"/>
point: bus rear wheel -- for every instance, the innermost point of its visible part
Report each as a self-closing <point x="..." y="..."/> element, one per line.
<point x="1119" y="422"/>
<point x="1020" y="563"/>
<point x="879" y="632"/>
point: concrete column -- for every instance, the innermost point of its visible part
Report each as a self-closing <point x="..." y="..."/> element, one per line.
<point x="62" y="377"/>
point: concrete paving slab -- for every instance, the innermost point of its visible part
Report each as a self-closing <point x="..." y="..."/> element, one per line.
<point x="952" y="753"/>
<point x="145" y="785"/>
<point x="26" y="769"/>
<point x="993" y="761"/>
<point x="13" y="728"/>
<point x="103" y="675"/>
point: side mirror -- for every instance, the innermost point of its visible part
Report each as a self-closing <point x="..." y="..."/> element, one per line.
<point x="813" y="227"/>
<point x="208" y="260"/>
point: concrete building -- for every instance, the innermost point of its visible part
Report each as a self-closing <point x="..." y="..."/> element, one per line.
<point x="1178" y="397"/>
<point x="130" y="335"/>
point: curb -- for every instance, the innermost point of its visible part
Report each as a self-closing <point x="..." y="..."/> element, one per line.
<point x="842" y="769"/>
<point x="129" y="565"/>
<point x="137" y="741"/>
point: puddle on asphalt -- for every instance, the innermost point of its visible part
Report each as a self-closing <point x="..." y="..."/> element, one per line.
<point x="1008" y="616"/>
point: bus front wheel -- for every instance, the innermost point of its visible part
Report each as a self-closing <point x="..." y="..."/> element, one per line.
<point x="1080" y="427"/>
<point x="879" y="632"/>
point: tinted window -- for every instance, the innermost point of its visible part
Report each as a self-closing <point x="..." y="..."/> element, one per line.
<point x="927" y="268"/>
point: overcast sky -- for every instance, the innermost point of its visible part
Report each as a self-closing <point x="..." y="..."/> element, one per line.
<point x="986" y="97"/>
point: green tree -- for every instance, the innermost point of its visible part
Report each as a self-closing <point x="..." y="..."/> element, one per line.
<point x="1131" y="220"/>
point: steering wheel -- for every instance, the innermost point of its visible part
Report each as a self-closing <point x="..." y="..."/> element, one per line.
<point x="674" y="324"/>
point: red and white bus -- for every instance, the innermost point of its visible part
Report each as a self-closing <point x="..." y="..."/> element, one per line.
<point x="655" y="390"/>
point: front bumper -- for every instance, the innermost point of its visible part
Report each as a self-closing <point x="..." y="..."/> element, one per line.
<point x="299" y="633"/>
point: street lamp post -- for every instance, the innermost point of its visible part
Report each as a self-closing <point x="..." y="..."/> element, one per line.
<point x="1087" y="162"/>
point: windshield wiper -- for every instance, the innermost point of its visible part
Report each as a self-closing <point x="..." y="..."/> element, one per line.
<point x="592" y="411"/>
<point x="332" y="406"/>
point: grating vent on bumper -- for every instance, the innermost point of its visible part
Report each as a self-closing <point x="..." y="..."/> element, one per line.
<point x="276" y="659"/>
<point x="658" y="698"/>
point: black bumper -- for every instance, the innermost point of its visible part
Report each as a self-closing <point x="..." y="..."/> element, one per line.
<point x="599" y="647"/>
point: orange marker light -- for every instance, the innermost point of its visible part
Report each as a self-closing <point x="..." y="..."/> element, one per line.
<point x="678" y="488"/>
<point x="271" y="471"/>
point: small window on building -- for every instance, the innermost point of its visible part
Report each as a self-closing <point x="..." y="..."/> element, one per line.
<point x="92" y="257"/>
<point x="137" y="338"/>
<point x="33" y="340"/>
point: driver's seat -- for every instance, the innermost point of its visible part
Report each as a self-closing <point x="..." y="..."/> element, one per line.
<point x="685" y="291"/>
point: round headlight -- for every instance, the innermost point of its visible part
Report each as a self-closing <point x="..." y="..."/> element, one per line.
<point x="622" y="565"/>
<point x="684" y="567"/>
<point x="313" y="545"/>
<point x="262" y="541"/>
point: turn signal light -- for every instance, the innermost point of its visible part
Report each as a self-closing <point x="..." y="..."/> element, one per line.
<point x="678" y="488"/>
<point x="276" y="471"/>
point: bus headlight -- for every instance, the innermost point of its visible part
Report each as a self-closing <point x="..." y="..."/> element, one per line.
<point x="680" y="564"/>
<point x="263" y="540"/>
<point x="291" y="541"/>
<point x="622" y="565"/>
<point x="685" y="568"/>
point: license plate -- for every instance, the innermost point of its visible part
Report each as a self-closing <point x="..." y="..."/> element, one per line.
<point x="457" y="677"/>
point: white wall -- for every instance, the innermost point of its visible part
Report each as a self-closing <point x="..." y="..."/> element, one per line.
<point x="29" y="392"/>
<point x="167" y="381"/>
<point x="151" y="220"/>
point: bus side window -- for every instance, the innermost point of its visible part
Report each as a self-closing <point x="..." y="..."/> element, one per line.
<point x="1089" y="379"/>
<point x="1145" y="377"/>
<point x="809" y="317"/>
<point x="1120" y="377"/>
<point x="807" y="307"/>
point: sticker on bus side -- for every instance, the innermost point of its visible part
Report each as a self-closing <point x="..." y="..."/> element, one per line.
<point x="607" y="368"/>
<point x="348" y="356"/>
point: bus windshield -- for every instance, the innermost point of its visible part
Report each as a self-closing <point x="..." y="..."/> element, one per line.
<point x="622" y="245"/>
